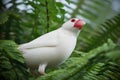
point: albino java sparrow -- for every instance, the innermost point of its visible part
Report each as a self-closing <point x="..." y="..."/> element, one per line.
<point x="52" y="48"/>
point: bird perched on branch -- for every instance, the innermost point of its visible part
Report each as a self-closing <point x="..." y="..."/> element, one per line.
<point x="52" y="48"/>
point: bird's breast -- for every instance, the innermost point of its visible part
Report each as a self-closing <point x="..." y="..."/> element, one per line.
<point x="66" y="46"/>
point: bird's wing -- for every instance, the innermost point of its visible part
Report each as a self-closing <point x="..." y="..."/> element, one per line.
<point x="46" y="40"/>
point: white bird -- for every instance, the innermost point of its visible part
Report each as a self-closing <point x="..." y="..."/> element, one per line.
<point x="52" y="48"/>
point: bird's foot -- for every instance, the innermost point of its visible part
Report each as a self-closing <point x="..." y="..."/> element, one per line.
<point x="41" y="68"/>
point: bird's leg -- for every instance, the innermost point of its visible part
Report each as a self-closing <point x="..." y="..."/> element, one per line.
<point x="41" y="68"/>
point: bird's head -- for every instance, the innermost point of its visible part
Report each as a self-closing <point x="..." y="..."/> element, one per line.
<point x="74" y="24"/>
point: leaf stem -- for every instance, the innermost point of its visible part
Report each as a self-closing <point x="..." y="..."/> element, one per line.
<point x="47" y="16"/>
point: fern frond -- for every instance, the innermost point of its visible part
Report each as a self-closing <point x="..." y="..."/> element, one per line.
<point x="110" y="29"/>
<point x="3" y="18"/>
<point x="12" y="64"/>
<point x="103" y="71"/>
<point x="90" y="11"/>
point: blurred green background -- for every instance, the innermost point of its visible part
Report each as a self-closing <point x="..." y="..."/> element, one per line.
<point x="97" y="54"/>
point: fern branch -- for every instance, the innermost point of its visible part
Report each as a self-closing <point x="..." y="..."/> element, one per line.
<point x="110" y="29"/>
<point x="47" y="15"/>
<point x="78" y="7"/>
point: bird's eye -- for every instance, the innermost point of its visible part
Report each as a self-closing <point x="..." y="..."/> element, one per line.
<point x="72" y="20"/>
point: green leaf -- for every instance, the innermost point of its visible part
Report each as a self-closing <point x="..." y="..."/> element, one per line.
<point x="109" y="29"/>
<point x="3" y="18"/>
<point x="12" y="62"/>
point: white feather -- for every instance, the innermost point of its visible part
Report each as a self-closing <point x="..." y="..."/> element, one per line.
<point x="46" y="40"/>
<point x="53" y="48"/>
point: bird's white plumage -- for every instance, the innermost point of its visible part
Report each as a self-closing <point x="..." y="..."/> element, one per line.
<point x="46" y="40"/>
<point x="52" y="48"/>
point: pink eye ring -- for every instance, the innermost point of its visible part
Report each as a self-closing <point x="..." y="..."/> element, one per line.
<point x="73" y="20"/>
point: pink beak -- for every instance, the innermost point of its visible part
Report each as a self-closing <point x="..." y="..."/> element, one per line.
<point x="79" y="24"/>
